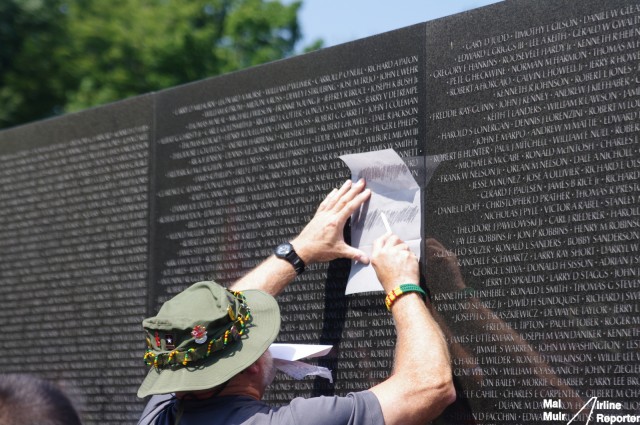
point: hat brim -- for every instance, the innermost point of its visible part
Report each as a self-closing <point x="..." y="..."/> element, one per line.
<point x="224" y="365"/>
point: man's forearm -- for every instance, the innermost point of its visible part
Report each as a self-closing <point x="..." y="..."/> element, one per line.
<point x="270" y="276"/>
<point x="421" y="350"/>
<point x="420" y="386"/>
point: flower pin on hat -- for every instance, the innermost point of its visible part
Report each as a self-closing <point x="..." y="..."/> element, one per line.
<point x="199" y="333"/>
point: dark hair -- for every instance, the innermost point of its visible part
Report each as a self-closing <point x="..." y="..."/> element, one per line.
<point x="27" y="400"/>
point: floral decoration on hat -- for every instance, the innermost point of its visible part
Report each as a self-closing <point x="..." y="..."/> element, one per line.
<point x="199" y="333"/>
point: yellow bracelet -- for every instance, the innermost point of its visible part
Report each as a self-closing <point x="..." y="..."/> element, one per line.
<point x="402" y="290"/>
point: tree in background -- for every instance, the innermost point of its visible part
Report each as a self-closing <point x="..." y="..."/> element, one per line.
<point x="29" y="33"/>
<point x="66" y="55"/>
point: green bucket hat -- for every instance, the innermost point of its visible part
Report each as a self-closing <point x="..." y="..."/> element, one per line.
<point x="206" y="335"/>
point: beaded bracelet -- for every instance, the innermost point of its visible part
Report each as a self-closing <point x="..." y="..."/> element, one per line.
<point x="402" y="290"/>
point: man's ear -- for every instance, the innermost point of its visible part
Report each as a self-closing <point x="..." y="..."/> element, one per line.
<point x="254" y="369"/>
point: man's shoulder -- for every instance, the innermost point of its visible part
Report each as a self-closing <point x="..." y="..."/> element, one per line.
<point x="353" y="409"/>
<point x="156" y="405"/>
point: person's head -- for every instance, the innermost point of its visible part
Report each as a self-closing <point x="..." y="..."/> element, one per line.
<point x="205" y="336"/>
<point x="27" y="400"/>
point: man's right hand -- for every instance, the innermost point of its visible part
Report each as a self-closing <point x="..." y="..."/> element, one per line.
<point x="394" y="262"/>
<point x="421" y="385"/>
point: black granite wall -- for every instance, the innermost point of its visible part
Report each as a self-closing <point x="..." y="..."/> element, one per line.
<point x="530" y="220"/>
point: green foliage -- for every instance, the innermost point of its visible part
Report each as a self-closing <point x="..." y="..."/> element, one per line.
<point x="66" y="55"/>
<point x="29" y="32"/>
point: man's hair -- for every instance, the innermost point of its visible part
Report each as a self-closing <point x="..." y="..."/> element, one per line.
<point x="27" y="400"/>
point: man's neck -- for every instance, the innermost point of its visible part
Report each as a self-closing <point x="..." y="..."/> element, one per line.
<point x="246" y="391"/>
<point x="237" y="386"/>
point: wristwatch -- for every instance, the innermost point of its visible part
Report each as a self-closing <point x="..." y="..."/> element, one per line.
<point x="286" y="252"/>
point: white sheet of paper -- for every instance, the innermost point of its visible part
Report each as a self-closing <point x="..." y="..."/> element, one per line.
<point x="299" y="370"/>
<point x="286" y="356"/>
<point x="395" y="192"/>
<point x="298" y="351"/>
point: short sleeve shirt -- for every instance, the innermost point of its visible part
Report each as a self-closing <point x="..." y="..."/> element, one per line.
<point x="360" y="408"/>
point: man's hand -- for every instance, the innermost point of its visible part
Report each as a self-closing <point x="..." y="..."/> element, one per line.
<point x="394" y="262"/>
<point x="421" y="384"/>
<point x="322" y="238"/>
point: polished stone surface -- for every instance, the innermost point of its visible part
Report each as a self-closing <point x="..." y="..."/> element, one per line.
<point x="526" y="116"/>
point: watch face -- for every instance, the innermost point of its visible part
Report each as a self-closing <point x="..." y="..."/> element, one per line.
<point x="283" y="249"/>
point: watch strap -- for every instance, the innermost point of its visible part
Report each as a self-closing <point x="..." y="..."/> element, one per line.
<point x="291" y="257"/>
<point x="296" y="262"/>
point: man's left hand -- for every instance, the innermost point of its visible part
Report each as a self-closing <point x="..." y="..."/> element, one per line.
<point x="322" y="238"/>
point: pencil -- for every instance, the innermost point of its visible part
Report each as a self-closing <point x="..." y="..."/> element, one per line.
<point x="386" y="222"/>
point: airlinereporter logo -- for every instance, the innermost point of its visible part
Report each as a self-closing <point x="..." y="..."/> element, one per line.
<point x="591" y="410"/>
